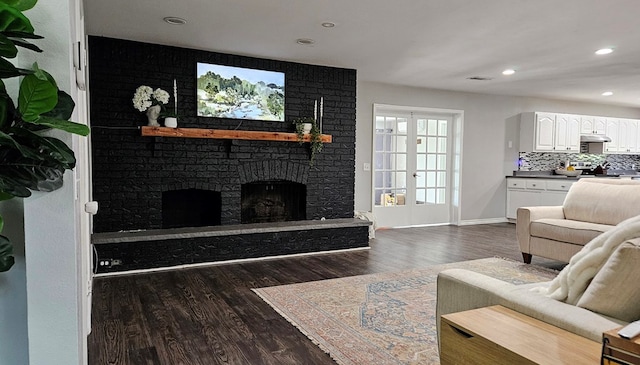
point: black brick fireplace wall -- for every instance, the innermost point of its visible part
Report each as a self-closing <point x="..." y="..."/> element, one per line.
<point x="130" y="172"/>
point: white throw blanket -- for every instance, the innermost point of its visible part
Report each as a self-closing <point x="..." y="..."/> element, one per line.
<point x="573" y="280"/>
<point x="367" y="216"/>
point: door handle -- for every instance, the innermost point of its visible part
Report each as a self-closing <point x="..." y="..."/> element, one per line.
<point x="415" y="174"/>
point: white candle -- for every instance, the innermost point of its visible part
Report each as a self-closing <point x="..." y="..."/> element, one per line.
<point x="175" y="97"/>
<point x="321" y="112"/>
<point x="315" y="110"/>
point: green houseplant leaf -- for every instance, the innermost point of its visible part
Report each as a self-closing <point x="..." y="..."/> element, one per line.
<point x="65" y="125"/>
<point x="8" y="70"/>
<point x="63" y="109"/>
<point x="7" y="110"/>
<point x="24" y="44"/>
<point x="47" y="147"/>
<point x="21" y="5"/>
<point x="6" y="252"/>
<point x="36" y="96"/>
<point x="12" y="19"/>
<point x="7" y="47"/>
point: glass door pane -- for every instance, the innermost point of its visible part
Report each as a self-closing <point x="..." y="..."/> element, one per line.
<point x="431" y="161"/>
<point x="390" y="161"/>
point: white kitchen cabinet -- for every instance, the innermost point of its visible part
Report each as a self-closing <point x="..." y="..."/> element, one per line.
<point x="533" y="192"/>
<point x="592" y="125"/>
<point x="549" y="132"/>
<point x="517" y="199"/>
<point x="570" y="126"/>
<point x="545" y="130"/>
<point x="556" y="132"/>
<point x="624" y="138"/>
<point x="587" y="124"/>
<point x="633" y="136"/>
<point x="613" y="126"/>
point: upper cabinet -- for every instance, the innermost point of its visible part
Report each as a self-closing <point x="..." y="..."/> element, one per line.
<point x="625" y="136"/>
<point x="567" y="133"/>
<point x="545" y="132"/>
<point x="549" y="132"/>
<point x="555" y="132"/>
<point x="613" y="132"/>
<point x="592" y="125"/>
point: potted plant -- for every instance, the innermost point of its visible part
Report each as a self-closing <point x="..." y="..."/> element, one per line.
<point x="170" y="119"/>
<point x="303" y="126"/>
<point x="308" y="125"/>
<point x="29" y="158"/>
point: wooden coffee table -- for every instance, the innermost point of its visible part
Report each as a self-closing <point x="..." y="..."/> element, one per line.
<point x="498" y="335"/>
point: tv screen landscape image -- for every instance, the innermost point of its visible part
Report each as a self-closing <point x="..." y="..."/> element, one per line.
<point x="239" y="93"/>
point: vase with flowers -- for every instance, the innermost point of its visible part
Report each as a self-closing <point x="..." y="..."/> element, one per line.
<point x="145" y="99"/>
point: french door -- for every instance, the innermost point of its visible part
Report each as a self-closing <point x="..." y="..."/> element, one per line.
<point x="411" y="168"/>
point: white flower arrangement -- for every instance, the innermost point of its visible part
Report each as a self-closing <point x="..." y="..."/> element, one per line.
<point x="145" y="96"/>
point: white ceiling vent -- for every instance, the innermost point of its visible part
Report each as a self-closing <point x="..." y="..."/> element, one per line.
<point x="479" y="78"/>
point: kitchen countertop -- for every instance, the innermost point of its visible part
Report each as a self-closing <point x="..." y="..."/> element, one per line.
<point x="550" y="175"/>
<point x="554" y="177"/>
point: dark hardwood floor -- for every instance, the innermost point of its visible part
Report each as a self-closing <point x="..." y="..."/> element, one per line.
<point x="209" y="315"/>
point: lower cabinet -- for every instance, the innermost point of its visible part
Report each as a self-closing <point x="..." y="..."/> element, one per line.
<point x="534" y="192"/>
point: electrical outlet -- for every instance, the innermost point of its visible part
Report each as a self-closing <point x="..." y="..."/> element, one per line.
<point x="105" y="263"/>
<point x="109" y="262"/>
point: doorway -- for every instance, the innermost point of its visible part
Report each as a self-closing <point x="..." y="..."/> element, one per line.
<point x="414" y="180"/>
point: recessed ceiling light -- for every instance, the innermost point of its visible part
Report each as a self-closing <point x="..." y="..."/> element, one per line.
<point x="328" y="24"/>
<point x="607" y="93"/>
<point x="508" y="72"/>
<point x="305" y="41"/>
<point x="604" y="51"/>
<point x="174" y="20"/>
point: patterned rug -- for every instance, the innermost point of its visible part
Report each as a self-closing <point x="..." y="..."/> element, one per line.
<point x="386" y="318"/>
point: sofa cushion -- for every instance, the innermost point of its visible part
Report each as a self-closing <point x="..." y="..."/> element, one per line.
<point x="613" y="290"/>
<point x="566" y="230"/>
<point x="602" y="202"/>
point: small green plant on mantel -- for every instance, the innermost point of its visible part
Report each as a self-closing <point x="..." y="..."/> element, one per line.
<point x="315" y="143"/>
<point x="29" y="160"/>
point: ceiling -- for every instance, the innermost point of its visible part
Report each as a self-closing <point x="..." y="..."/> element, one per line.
<point x="435" y="44"/>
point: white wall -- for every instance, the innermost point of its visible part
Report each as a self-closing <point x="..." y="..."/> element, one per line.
<point x="490" y="121"/>
<point x="13" y="290"/>
<point x="52" y="309"/>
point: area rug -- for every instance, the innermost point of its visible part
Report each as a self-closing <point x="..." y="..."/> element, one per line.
<point x="386" y="318"/>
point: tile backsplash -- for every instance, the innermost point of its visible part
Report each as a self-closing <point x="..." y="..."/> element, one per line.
<point x="537" y="161"/>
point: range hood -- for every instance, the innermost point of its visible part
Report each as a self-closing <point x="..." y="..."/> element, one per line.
<point x="594" y="138"/>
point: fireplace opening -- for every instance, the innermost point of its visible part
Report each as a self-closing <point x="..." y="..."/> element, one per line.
<point x="273" y="201"/>
<point x="191" y="208"/>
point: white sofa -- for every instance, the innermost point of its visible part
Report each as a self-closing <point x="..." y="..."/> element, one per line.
<point x="460" y="290"/>
<point x="592" y="206"/>
<point x="605" y="304"/>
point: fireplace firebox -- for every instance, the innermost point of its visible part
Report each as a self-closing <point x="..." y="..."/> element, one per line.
<point x="273" y="201"/>
<point x="191" y="208"/>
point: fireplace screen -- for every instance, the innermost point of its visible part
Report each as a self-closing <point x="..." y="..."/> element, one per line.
<point x="273" y="201"/>
<point x="191" y="208"/>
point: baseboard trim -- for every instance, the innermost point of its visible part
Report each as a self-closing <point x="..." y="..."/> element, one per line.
<point x="419" y="225"/>
<point x="218" y="263"/>
<point x="472" y="222"/>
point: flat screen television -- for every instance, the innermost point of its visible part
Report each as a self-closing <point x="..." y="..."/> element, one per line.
<point x="239" y="93"/>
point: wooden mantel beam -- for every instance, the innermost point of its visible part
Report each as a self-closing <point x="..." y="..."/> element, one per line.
<point x="226" y="134"/>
